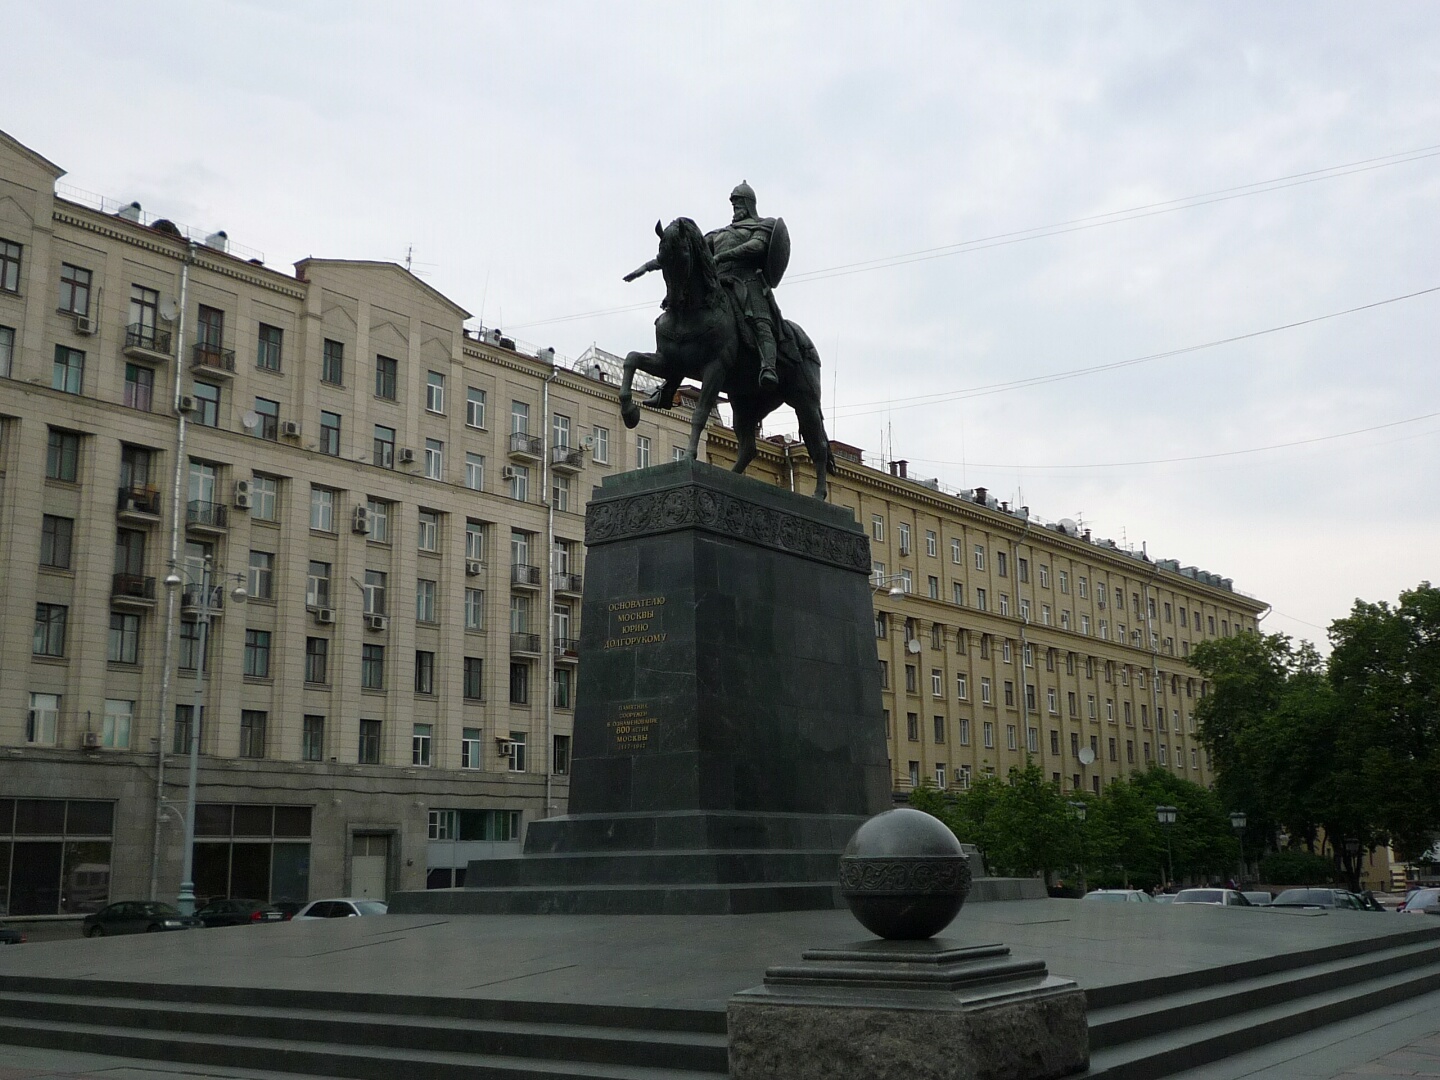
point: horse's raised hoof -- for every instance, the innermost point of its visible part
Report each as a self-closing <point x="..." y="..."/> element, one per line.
<point x="629" y="411"/>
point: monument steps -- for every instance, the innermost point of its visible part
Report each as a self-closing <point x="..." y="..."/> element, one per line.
<point x="275" y="1033"/>
<point x="1226" y="1011"/>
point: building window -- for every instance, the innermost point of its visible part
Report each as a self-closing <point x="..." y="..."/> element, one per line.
<point x="384" y="447"/>
<point x="262" y="575"/>
<point x="474" y="609"/>
<point x="385" y="377"/>
<point x="74" y="289"/>
<point x="372" y="667"/>
<point x="520" y="482"/>
<point x="474" y="407"/>
<point x="474" y="688"/>
<point x="932" y="543"/>
<point x="519" y="418"/>
<point x="330" y="433"/>
<point x="424" y="671"/>
<point x="332" y="363"/>
<point x="68" y="375"/>
<point x="562" y="688"/>
<point x="519" y="684"/>
<point x="49" y="636"/>
<point x="312" y="738"/>
<point x="115" y="728"/>
<point x="139" y="387"/>
<point x="42" y="720"/>
<point x="1004" y="603"/>
<point x="989" y="735"/>
<point x="934" y="587"/>
<point x="252" y="733"/>
<point x="369" y="750"/>
<point x="322" y="509"/>
<point x="475" y="540"/>
<point x="560" y="431"/>
<point x="517" y="753"/>
<point x="984" y="690"/>
<point x="601" y="451"/>
<point x="317" y="585"/>
<point x="642" y="451"/>
<point x="957" y="594"/>
<point x="939" y="723"/>
<point x="267" y="356"/>
<point x="962" y="687"/>
<point x="9" y="266"/>
<point x="191" y="645"/>
<point x="1044" y="577"/>
<point x="210" y="331"/>
<point x="317" y="660"/>
<point x="427" y="533"/>
<point x="425" y="590"/>
<point x="470" y="751"/>
<point x="434" y="459"/>
<point x="560" y="491"/>
<point x="902" y="535"/>
<point x="877" y="528"/>
<point x="475" y="471"/>
<point x="56" y="534"/>
<point x="7" y="350"/>
<point x="1012" y="738"/>
<point x="374" y="591"/>
<point x="937" y="686"/>
<point x="420" y="736"/>
<point x="560" y="756"/>
<point x="124" y="644"/>
<point x="257" y="654"/>
<point x="980" y="600"/>
<point x="434" y="392"/>
<point x="207" y="403"/>
<point x="964" y="731"/>
<point x="379" y="520"/>
<point x="1009" y="694"/>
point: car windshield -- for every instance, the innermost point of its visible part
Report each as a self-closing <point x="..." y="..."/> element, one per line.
<point x="1200" y="896"/>
<point x="152" y="908"/>
<point x="371" y="907"/>
<point x="1310" y="897"/>
<point x="1108" y="897"/>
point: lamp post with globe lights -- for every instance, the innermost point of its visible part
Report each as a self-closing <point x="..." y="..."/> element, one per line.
<point x="1165" y="816"/>
<point x="205" y="598"/>
<point x="1237" y="822"/>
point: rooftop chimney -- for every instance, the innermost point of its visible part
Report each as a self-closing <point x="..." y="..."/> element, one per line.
<point x="980" y="494"/>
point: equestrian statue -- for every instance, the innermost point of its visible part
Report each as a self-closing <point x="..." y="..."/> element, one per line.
<point x="720" y="326"/>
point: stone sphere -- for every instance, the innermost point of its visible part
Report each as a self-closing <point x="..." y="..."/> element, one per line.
<point x="904" y="875"/>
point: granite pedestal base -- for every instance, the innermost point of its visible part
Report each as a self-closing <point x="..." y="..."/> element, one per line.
<point x="914" y="1010"/>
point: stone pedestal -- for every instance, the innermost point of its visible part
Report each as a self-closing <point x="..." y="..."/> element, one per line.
<point x="728" y="734"/>
<point x="911" y="1010"/>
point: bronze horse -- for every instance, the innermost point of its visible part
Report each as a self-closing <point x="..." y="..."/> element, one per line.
<point x="698" y="337"/>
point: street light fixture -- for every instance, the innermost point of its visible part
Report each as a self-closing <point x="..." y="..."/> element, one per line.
<point x="1166" y="816"/>
<point x="1237" y="822"/>
<point x="1353" y="847"/>
<point x="207" y="600"/>
<point x="1077" y="810"/>
<point x="895" y="581"/>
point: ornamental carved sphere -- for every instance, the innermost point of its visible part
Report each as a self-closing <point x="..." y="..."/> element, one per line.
<point x="904" y="875"/>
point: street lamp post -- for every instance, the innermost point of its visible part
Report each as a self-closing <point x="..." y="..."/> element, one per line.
<point x="1078" y="809"/>
<point x="1166" y="815"/>
<point x="1237" y="822"/>
<point x="206" y="597"/>
<point x="1353" y="848"/>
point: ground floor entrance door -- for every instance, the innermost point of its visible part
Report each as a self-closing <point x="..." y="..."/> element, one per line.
<point x="369" y="867"/>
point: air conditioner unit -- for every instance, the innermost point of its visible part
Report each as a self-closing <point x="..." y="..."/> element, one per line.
<point x="376" y="622"/>
<point x="474" y="567"/>
<point x="407" y="456"/>
<point x="242" y="487"/>
<point x="508" y="473"/>
<point x="290" y="429"/>
<point x="361" y="523"/>
<point x="325" y="616"/>
<point x="84" y="325"/>
<point x="90" y="740"/>
<point x="242" y="500"/>
<point x="187" y="403"/>
<point x="504" y="747"/>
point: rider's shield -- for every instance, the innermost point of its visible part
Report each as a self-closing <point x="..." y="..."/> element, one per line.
<point x="777" y="256"/>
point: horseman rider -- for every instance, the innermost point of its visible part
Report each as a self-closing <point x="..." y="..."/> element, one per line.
<point x="743" y="257"/>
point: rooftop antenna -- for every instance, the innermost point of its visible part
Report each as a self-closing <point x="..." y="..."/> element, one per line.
<point x="409" y="250"/>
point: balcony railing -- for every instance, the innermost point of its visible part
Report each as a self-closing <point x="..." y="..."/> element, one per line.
<point x="526" y="446"/>
<point x="132" y="587"/>
<point x="567" y="583"/>
<point x="567" y="648"/>
<point x="213" y="358"/>
<point x="206" y="515"/>
<point x="147" y="339"/>
<point x="192" y="598"/>
<point x="528" y="576"/>
<point x="139" y="500"/>
<point x="524" y="643"/>
<point x="566" y="458"/>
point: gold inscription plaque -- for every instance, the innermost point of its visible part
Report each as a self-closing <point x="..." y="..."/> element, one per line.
<point x="631" y="728"/>
<point x="635" y="622"/>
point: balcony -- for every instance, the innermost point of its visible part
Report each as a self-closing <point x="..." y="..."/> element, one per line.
<point x="147" y="343"/>
<point x="132" y="590"/>
<point x="193" y="597"/>
<point x="567" y="584"/>
<point x="206" y="517"/>
<point x="213" y="360"/>
<point x="524" y="644"/>
<point x="525" y="447"/>
<point x="524" y="577"/>
<point x="138" y="505"/>
<point x="566" y="459"/>
<point x="567" y="650"/>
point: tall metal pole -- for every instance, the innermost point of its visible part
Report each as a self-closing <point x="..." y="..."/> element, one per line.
<point x="186" y="900"/>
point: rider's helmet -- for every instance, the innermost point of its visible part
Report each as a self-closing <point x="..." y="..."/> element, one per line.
<point x="745" y="193"/>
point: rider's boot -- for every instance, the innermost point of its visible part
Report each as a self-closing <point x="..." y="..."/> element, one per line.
<point x="664" y="395"/>
<point x="765" y="339"/>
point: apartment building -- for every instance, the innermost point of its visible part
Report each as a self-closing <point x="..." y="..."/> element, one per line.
<point x="311" y="518"/>
<point x="1002" y="637"/>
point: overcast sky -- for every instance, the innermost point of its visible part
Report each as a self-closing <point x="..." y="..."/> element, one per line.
<point x="980" y="197"/>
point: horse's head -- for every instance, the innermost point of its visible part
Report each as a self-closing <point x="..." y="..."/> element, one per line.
<point x="686" y="262"/>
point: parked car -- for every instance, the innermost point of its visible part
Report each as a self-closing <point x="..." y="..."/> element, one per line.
<point x="10" y="936"/>
<point x="1164" y="898"/>
<point x="1335" y="899"/>
<point x="1368" y="902"/>
<point x="1422" y="902"/>
<point x="137" y="917"/>
<point x="1119" y="896"/>
<point x="1214" y="897"/>
<point x="1259" y="898"/>
<point x="239" y="913"/>
<point x="343" y="908"/>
